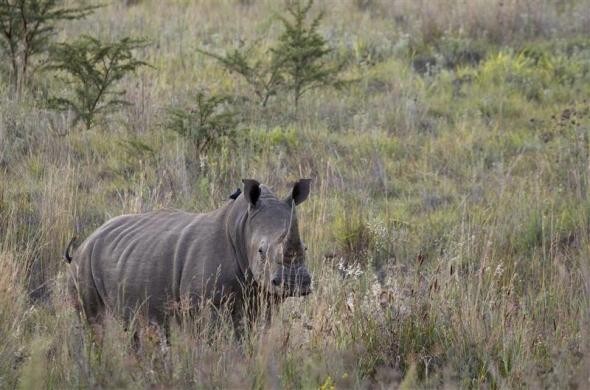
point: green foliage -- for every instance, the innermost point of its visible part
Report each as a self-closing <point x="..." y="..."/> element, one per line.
<point x="93" y="69"/>
<point x="26" y="27"/>
<point x="135" y="152"/>
<point x="302" y="51"/>
<point x="297" y="62"/>
<point x="264" y="76"/>
<point x="205" y="123"/>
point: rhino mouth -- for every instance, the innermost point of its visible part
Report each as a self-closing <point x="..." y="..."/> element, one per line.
<point x="292" y="282"/>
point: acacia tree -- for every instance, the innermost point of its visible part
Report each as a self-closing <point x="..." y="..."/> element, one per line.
<point x="265" y="77"/>
<point x="205" y="123"/>
<point x="302" y="52"/>
<point x="297" y="63"/>
<point x="26" y="27"/>
<point x="92" y="70"/>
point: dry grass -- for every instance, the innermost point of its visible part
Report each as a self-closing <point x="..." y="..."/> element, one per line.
<point x="456" y="198"/>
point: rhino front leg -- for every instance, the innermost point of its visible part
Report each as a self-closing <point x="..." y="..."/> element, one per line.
<point x="239" y="323"/>
<point x="247" y="317"/>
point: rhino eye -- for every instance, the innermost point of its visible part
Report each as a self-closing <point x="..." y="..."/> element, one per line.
<point x="262" y="248"/>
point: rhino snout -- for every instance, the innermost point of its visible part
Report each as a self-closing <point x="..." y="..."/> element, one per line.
<point x="292" y="281"/>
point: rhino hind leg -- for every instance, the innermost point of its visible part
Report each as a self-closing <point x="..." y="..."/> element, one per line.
<point x="94" y="310"/>
<point x="148" y="324"/>
<point x="155" y="333"/>
<point x="84" y="297"/>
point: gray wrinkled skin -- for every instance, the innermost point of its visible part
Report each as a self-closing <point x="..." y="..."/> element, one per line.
<point x="152" y="262"/>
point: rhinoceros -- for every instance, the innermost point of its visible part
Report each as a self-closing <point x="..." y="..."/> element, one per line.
<point x="157" y="261"/>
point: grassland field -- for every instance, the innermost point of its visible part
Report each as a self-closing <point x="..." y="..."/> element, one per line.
<point x="447" y="227"/>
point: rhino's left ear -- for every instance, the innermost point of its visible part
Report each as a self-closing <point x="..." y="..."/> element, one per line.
<point x="300" y="191"/>
<point x="251" y="191"/>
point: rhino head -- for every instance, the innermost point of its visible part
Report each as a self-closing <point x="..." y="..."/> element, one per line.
<point x="276" y="255"/>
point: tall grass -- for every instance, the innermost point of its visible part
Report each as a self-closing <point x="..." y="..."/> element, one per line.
<point x="447" y="230"/>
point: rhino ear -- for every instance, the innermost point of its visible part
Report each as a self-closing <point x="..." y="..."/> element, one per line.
<point x="251" y="191"/>
<point x="300" y="191"/>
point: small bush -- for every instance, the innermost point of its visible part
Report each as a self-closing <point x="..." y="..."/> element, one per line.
<point x="298" y="61"/>
<point x="263" y="76"/>
<point x="93" y="69"/>
<point x="205" y="123"/>
<point x="302" y="51"/>
<point x="26" y="27"/>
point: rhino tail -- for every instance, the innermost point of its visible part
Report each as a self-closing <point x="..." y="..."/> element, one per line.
<point x="67" y="256"/>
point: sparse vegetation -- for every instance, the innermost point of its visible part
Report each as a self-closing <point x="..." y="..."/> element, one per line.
<point x="26" y="29"/>
<point x="206" y="124"/>
<point x="302" y="52"/>
<point x="296" y="63"/>
<point x="452" y="179"/>
<point x="93" y="69"/>
<point x="263" y="75"/>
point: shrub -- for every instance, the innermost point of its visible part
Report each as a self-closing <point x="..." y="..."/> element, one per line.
<point x="298" y="61"/>
<point x="263" y="76"/>
<point x="302" y="51"/>
<point x="204" y="124"/>
<point x="26" y="27"/>
<point x="93" y="69"/>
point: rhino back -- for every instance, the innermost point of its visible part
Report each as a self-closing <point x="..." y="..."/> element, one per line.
<point x="151" y="260"/>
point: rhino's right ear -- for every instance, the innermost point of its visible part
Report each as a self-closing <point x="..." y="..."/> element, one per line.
<point x="300" y="191"/>
<point x="251" y="191"/>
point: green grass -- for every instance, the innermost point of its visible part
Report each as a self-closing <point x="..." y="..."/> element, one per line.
<point x="461" y="192"/>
